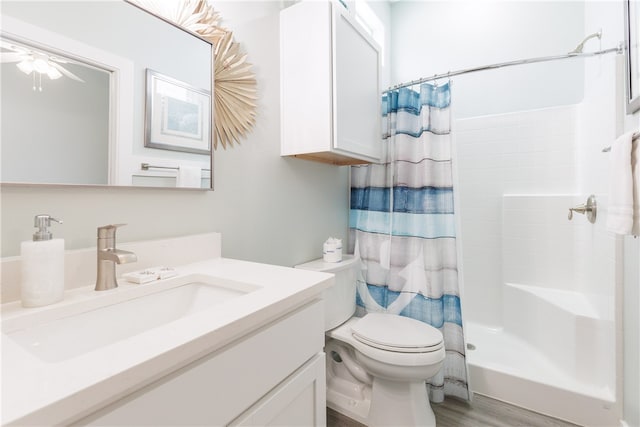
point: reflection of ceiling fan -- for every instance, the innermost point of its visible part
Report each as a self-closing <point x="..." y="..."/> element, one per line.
<point x="33" y="62"/>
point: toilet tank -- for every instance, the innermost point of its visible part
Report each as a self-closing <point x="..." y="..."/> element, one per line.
<point x="339" y="300"/>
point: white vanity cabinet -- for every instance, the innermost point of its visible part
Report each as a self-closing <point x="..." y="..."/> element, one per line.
<point x="330" y="85"/>
<point x="275" y="375"/>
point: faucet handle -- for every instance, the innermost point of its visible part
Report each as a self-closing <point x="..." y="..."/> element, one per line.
<point x="108" y="231"/>
<point x="590" y="208"/>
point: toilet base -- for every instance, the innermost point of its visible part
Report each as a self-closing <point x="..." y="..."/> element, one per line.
<point x="345" y="394"/>
<point x="354" y="408"/>
<point x="409" y="401"/>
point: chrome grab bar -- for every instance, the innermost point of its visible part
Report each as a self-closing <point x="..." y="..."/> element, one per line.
<point x="590" y="208"/>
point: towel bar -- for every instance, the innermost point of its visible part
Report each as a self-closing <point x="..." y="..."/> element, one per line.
<point x="147" y="166"/>
<point x="634" y="137"/>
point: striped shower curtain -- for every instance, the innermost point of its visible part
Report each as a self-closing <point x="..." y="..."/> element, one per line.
<point x="402" y="226"/>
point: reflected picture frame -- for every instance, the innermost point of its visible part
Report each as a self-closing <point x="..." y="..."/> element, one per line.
<point x="177" y="115"/>
<point x="632" y="50"/>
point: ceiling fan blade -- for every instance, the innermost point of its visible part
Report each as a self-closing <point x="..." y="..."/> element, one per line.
<point x="11" y="57"/>
<point x="58" y="60"/>
<point x="4" y="44"/>
<point x="66" y="72"/>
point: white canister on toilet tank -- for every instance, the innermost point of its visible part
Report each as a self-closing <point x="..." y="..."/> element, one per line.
<point x="332" y="250"/>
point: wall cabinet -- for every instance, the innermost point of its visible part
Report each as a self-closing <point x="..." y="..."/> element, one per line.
<point x="273" y="376"/>
<point x="330" y="85"/>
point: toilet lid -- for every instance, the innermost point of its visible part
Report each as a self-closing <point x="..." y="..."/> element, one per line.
<point x="397" y="333"/>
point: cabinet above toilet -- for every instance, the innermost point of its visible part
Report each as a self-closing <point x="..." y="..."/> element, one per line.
<point x="330" y="86"/>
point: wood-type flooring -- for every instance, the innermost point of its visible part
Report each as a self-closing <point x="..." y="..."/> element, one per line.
<point x="483" y="412"/>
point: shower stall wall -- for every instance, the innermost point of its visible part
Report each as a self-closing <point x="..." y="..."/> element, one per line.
<point x="539" y="287"/>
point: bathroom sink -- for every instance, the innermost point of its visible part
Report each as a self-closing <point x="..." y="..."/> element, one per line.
<point x="140" y="309"/>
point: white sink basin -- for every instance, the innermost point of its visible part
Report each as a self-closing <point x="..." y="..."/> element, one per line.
<point x="89" y="327"/>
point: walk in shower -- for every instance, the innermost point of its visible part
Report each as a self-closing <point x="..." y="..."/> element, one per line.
<point x="538" y="289"/>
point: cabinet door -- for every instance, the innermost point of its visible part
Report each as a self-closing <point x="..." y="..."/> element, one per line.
<point x="356" y="112"/>
<point x="219" y="387"/>
<point x="299" y="401"/>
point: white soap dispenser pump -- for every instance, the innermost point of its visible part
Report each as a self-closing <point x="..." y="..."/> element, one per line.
<point x="42" y="266"/>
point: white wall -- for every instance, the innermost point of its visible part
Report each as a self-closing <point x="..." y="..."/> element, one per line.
<point x="268" y="209"/>
<point x="528" y="152"/>
<point x="604" y="105"/>
<point x="631" y="333"/>
<point x="435" y="37"/>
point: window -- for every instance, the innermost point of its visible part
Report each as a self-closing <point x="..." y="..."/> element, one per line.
<point x="367" y="18"/>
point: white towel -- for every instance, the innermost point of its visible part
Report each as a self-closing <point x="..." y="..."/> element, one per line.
<point x="620" y="217"/>
<point x="189" y="176"/>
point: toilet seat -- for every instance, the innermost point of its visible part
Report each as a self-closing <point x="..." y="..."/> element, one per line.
<point x="397" y="333"/>
<point x="430" y="355"/>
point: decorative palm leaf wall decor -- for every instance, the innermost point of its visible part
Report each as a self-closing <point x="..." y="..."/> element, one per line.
<point x="235" y="91"/>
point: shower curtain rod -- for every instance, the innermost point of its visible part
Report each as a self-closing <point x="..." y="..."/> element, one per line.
<point x="619" y="49"/>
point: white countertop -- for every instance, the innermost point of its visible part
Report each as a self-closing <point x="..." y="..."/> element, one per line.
<point x="47" y="393"/>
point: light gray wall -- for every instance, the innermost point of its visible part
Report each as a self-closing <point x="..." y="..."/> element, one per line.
<point x="268" y="209"/>
<point x="434" y="37"/>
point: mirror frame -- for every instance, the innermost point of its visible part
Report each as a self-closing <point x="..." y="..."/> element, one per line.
<point x="631" y="39"/>
<point x="121" y="112"/>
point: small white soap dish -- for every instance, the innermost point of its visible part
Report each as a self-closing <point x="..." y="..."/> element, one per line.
<point x="150" y="274"/>
<point x="164" y="272"/>
<point x="140" y="276"/>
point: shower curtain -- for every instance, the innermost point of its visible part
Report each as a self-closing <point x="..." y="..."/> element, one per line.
<point x="402" y="225"/>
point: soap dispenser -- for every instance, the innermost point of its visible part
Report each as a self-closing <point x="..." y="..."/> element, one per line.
<point x="42" y="266"/>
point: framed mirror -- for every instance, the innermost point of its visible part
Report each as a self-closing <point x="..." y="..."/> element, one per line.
<point x="74" y="78"/>
<point x="632" y="46"/>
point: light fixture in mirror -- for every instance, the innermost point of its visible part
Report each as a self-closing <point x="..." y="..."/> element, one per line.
<point x="35" y="62"/>
<point x="83" y="35"/>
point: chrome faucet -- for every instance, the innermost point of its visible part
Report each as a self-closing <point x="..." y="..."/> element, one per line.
<point x="109" y="256"/>
<point x="590" y="209"/>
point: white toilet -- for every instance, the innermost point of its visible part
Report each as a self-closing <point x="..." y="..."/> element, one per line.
<point x="376" y="365"/>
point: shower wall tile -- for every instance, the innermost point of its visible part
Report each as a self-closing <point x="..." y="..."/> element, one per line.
<point x="595" y="261"/>
<point x="538" y="240"/>
<point x="529" y="152"/>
